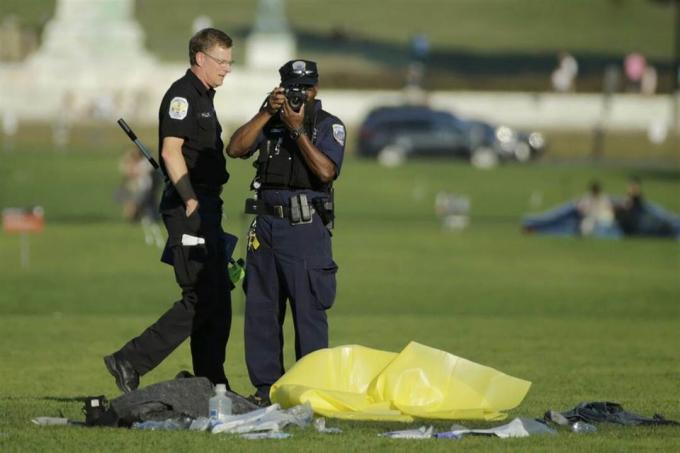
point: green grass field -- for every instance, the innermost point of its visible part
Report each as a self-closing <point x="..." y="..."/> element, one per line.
<point x="475" y="44"/>
<point x="583" y="319"/>
<point x="607" y="26"/>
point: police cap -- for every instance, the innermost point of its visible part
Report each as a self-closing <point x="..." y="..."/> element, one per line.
<point x="299" y="72"/>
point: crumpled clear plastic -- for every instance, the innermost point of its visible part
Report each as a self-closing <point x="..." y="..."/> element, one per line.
<point x="200" y="424"/>
<point x="51" y="421"/>
<point x="518" y="427"/>
<point x="266" y="435"/>
<point x="421" y="433"/>
<point x="320" y="427"/>
<point x="271" y="418"/>
<point x="170" y="424"/>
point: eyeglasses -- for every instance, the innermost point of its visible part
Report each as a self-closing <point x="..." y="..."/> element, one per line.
<point x="219" y="61"/>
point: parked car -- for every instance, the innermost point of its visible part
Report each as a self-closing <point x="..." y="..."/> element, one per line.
<point x="394" y="133"/>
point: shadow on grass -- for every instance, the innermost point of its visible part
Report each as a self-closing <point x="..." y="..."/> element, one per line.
<point x="66" y="399"/>
<point x="671" y="175"/>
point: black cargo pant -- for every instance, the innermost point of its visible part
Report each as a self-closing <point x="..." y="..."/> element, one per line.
<point x="204" y="311"/>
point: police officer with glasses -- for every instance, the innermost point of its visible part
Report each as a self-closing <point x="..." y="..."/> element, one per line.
<point x="191" y="156"/>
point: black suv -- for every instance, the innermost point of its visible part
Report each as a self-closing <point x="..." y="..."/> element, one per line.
<point x="397" y="132"/>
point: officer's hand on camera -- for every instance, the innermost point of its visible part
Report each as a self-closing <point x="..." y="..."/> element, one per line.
<point x="291" y="119"/>
<point x="275" y="101"/>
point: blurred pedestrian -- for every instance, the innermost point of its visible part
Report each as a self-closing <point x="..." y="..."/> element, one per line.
<point x="420" y="48"/>
<point x="137" y="195"/>
<point x="10" y="127"/>
<point x="629" y="213"/>
<point x="191" y="156"/>
<point x="62" y="124"/>
<point x="135" y="191"/>
<point x="597" y="212"/>
<point x="649" y="81"/>
<point x="634" y="66"/>
<point x="301" y="148"/>
<point x="564" y="76"/>
<point x="638" y="217"/>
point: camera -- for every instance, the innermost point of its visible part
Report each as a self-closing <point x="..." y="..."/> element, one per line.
<point x="296" y="95"/>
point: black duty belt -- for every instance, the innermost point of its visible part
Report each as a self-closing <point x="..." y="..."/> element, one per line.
<point x="202" y="189"/>
<point x="299" y="211"/>
<point x="199" y="189"/>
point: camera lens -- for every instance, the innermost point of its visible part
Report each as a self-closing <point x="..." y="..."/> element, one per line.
<point x="296" y="97"/>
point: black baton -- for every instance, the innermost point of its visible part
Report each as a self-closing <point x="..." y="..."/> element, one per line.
<point x="123" y="125"/>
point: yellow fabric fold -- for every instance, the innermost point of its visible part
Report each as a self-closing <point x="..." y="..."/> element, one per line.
<point x="359" y="383"/>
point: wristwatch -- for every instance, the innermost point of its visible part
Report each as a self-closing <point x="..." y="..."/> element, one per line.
<point x="296" y="133"/>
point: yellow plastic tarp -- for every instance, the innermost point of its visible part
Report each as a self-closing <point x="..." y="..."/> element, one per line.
<point x="359" y="383"/>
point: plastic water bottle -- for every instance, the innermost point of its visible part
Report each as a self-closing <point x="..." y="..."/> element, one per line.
<point x="583" y="428"/>
<point x="219" y="406"/>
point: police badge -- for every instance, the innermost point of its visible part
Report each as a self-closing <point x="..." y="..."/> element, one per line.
<point x="339" y="133"/>
<point x="178" y="108"/>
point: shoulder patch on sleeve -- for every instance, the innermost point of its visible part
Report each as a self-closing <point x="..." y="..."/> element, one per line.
<point x="178" y="108"/>
<point x="339" y="133"/>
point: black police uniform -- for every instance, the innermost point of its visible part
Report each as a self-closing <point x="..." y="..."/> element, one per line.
<point x="287" y="258"/>
<point x="204" y="312"/>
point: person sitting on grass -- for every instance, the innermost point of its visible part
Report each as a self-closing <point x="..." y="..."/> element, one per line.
<point x="597" y="212"/>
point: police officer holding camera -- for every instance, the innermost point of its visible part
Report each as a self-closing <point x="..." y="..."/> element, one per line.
<point x="299" y="149"/>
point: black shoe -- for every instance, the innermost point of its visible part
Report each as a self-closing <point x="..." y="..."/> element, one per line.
<point x="259" y="401"/>
<point x="127" y="378"/>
